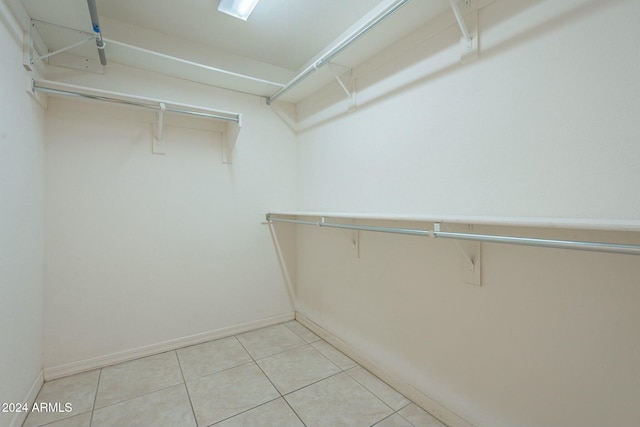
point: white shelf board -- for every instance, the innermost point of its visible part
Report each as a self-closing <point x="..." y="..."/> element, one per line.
<point x="541" y="222"/>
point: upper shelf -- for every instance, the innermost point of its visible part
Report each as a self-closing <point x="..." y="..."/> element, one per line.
<point x="569" y="223"/>
<point x="159" y="52"/>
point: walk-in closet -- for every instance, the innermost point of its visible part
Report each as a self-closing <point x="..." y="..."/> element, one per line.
<point x="320" y="213"/>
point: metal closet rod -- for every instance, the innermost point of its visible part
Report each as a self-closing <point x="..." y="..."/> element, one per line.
<point x="337" y="49"/>
<point x="153" y="104"/>
<point x="95" y="24"/>
<point x="616" y="248"/>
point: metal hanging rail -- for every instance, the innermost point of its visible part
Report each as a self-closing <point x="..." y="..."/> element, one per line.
<point x="137" y="101"/>
<point x="323" y="223"/>
<point x="336" y="50"/>
<point x="103" y="41"/>
<point x="616" y="248"/>
<point x="95" y="24"/>
<point x="192" y="63"/>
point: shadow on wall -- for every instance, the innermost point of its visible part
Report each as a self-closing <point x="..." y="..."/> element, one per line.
<point x="560" y="326"/>
<point x="284" y="244"/>
<point x="423" y="57"/>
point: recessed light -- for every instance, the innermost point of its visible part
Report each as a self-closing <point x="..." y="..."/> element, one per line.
<point x="240" y="9"/>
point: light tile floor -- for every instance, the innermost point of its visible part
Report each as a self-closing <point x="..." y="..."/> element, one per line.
<point x="282" y="375"/>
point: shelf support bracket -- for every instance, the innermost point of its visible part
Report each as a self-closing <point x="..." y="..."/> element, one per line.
<point x="356" y="243"/>
<point x="229" y="139"/>
<point x="471" y="261"/>
<point x="32" y="67"/>
<point x="351" y="94"/>
<point x="64" y="49"/>
<point x="27" y="51"/>
<point x="469" y="27"/>
<point x="159" y="146"/>
<point x="60" y="57"/>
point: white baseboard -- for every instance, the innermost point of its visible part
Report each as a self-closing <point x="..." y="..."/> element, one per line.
<point x="29" y="399"/>
<point x="149" y="350"/>
<point x="411" y="393"/>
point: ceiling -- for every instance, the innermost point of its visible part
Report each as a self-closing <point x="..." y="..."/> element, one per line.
<point x="278" y="40"/>
<point x="285" y="33"/>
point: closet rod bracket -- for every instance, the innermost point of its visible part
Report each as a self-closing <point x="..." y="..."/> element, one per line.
<point x="471" y="257"/>
<point x="230" y="138"/>
<point x="469" y="27"/>
<point x="39" y="54"/>
<point x="350" y="92"/>
<point x="159" y="146"/>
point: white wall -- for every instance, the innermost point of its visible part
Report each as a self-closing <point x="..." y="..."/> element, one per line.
<point x="143" y="249"/>
<point x="543" y="124"/>
<point x="550" y="339"/>
<point x="21" y="224"/>
<point x="547" y="113"/>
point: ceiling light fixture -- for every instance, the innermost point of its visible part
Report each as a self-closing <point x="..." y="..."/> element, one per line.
<point x="240" y="9"/>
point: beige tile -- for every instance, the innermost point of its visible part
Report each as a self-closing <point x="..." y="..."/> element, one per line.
<point x="273" y="414"/>
<point x="302" y="331"/>
<point x="293" y="369"/>
<point x="138" y="377"/>
<point x="418" y="417"/>
<point x="228" y="393"/>
<point x="79" y="390"/>
<point x="165" y="408"/>
<point x="333" y="354"/>
<point x="394" y="420"/>
<point x="338" y="401"/>
<point x="270" y="340"/>
<point x="82" y="420"/>
<point x="211" y="357"/>
<point x="378" y="387"/>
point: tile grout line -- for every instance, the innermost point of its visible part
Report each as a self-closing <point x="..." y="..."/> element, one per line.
<point x="95" y="398"/>
<point x="294" y="348"/>
<point x="344" y="371"/>
<point x="138" y="396"/>
<point x="310" y="344"/>
<point x="321" y="340"/>
<point x="391" y="415"/>
<point x="310" y="331"/>
<point x="278" y="352"/>
<point x="48" y="423"/>
<point x="243" y="412"/>
<point x="400" y="415"/>
<point x="220" y="371"/>
<point x="395" y="413"/>
<point x="186" y="389"/>
<point x="57" y="421"/>
<point x="307" y="345"/>
<point x="373" y="393"/>
<point x="409" y="402"/>
<point x="294" y="411"/>
<point x="313" y="383"/>
<point x="385" y="418"/>
<point x="302" y="388"/>
<point x="253" y="360"/>
<point x="269" y="379"/>
<point x="259" y="367"/>
<point x="330" y="361"/>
